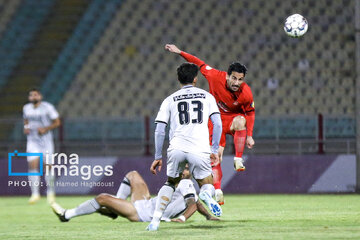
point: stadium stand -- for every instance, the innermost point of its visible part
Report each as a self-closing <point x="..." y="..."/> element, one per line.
<point x="130" y="57"/>
<point x="113" y="66"/>
<point x="7" y="11"/>
<point x="20" y="32"/>
<point x="79" y="46"/>
<point x="38" y="58"/>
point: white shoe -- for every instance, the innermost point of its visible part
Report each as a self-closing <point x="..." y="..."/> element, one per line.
<point x="213" y="206"/>
<point x="50" y="197"/>
<point x="153" y="226"/>
<point x="219" y="196"/>
<point x="239" y="164"/>
<point x="34" y="198"/>
<point x="59" y="212"/>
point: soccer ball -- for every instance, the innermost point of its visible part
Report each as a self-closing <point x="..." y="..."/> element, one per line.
<point x="295" y="25"/>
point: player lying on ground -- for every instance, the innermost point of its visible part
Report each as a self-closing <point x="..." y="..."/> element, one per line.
<point x="40" y="118"/>
<point x="140" y="208"/>
<point x="235" y="101"/>
<point x="187" y="111"/>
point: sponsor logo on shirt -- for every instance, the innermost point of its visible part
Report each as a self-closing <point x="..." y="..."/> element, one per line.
<point x="223" y="106"/>
<point x="189" y="96"/>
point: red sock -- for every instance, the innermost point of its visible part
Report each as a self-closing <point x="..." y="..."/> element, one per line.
<point x="217" y="174"/>
<point x="239" y="142"/>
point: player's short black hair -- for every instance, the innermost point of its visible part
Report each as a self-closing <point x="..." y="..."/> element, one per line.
<point x="187" y="72"/>
<point x="237" y="67"/>
<point x="34" y="89"/>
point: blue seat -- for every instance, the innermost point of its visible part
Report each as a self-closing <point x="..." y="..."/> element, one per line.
<point x="339" y="127"/>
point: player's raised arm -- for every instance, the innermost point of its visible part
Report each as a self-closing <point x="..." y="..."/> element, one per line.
<point x="172" y="48"/>
<point x="208" y="72"/>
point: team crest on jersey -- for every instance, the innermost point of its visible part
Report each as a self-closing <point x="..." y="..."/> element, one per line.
<point x="253" y="104"/>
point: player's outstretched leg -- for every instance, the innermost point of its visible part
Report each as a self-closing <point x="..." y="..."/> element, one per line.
<point x="88" y="207"/>
<point x="107" y="212"/>
<point x="163" y="199"/>
<point x="59" y="211"/>
<point x="217" y="176"/>
<point x="238" y="125"/>
<point x="217" y="173"/>
<point x="125" y="188"/>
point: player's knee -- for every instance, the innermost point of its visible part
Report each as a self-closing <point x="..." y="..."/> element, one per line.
<point x="102" y="198"/>
<point x="132" y="176"/>
<point x="239" y="123"/>
<point x="171" y="182"/>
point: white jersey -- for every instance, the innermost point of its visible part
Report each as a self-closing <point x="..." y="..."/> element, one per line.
<point x="145" y="208"/>
<point x="188" y="111"/>
<point x="177" y="205"/>
<point x="41" y="116"/>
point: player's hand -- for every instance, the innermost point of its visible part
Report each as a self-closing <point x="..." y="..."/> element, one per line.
<point x="215" y="160"/>
<point x="212" y="218"/>
<point x="42" y="131"/>
<point x="172" y="48"/>
<point x="177" y="220"/>
<point x="156" y="164"/>
<point x="250" y="142"/>
<point x="26" y="131"/>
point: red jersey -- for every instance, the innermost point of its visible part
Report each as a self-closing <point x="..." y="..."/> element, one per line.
<point x="229" y="102"/>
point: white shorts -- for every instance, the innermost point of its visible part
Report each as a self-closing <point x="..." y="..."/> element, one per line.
<point x="199" y="163"/>
<point x="144" y="209"/>
<point x="39" y="147"/>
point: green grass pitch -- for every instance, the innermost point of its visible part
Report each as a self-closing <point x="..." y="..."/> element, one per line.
<point x="244" y="217"/>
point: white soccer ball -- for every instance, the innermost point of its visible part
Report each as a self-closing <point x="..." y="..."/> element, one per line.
<point x="295" y="25"/>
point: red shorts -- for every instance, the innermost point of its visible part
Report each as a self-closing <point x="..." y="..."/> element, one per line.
<point x="226" y="120"/>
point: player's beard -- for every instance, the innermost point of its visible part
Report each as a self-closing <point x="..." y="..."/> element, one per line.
<point x="35" y="102"/>
<point x="235" y="88"/>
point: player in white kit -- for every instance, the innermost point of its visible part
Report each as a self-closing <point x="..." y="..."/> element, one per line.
<point x="188" y="110"/>
<point x="141" y="207"/>
<point x="40" y="118"/>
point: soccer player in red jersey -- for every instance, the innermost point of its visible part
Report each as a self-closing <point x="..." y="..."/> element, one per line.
<point x="236" y="104"/>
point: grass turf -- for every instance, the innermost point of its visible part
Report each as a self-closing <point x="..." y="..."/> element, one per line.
<point x="244" y="217"/>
